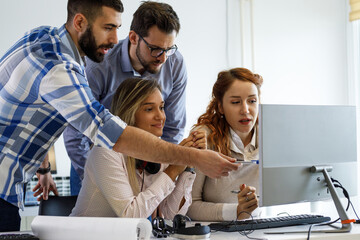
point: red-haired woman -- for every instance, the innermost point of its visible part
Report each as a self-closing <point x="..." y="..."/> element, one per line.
<point x="230" y="122"/>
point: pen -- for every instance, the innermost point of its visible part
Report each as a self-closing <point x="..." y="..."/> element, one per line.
<point x="238" y="191"/>
<point x="248" y="162"/>
<point x="235" y="191"/>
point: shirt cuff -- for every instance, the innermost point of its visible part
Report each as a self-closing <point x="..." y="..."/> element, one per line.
<point x="229" y="211"/>
<point x="109" y="132"/>
<point x="162" y="186"/>
<point x="184" y="187"/>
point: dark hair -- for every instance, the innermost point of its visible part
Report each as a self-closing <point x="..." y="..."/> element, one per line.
<point x="154" y="13"/>
<point x="218" y="139"/>
<point x="91" y="8"/>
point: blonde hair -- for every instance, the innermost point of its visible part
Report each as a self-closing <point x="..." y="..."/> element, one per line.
<point x="128" y="98"/>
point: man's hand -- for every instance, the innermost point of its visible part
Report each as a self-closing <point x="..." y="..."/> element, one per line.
<point x="214" y="164"/>
<point x="153" y="149"/>
<point x="44" y="186"/>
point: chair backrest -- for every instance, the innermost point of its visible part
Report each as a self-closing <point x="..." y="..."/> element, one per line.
<point x="57" y="205"/>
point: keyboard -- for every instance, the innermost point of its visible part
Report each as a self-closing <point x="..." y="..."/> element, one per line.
<point x="234" y="226"/>
<point x="18" y="236"/>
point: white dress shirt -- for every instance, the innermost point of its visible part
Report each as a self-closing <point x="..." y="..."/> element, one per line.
<point x="106" y="190"/>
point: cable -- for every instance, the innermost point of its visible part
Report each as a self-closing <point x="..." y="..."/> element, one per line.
<point x="321" y="224"/>
<point x="247" y="232"/>
<point x="283" y="213"/>
<point x="309" y="232"/>
<point x="243" y="232"/>
<point x="346" y="194"/>
<point x="337" y="184"/>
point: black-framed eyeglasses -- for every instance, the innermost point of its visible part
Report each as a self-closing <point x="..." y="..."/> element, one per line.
<point x="157" y="52"/>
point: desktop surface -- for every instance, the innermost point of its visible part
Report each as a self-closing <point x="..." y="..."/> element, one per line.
<point x="354" y="234"/>
<point x="262" y="234"/>
<point x="326" y="208"/>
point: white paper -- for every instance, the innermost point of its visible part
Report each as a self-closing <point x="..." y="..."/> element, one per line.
<point x="90" y="228"/>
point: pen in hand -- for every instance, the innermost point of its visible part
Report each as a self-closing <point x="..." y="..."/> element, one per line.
<point x="247" y="162"/>
<point x="238" y="191"/>
<point x="235" y="191"/>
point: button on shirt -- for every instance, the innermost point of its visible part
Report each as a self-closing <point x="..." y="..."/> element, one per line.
<point x="104" y="79"/>
<point x="43" y="88"/>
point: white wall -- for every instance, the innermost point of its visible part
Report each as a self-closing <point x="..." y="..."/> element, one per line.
<point x="298" y="46"/>
<point x="301" y="50"/>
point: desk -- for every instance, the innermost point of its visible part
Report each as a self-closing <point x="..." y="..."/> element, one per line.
<point x="328" y="209"/>
<point x="325" y="208"/>
<point x="354" y="234"/>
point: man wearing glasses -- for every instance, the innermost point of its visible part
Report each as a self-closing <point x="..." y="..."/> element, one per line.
<point x="148" y="51"/>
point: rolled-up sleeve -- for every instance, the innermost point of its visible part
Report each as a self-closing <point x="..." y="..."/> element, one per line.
<point x="66" y="89"/>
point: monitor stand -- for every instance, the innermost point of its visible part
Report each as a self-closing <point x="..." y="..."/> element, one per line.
<point x="346" y="223"/>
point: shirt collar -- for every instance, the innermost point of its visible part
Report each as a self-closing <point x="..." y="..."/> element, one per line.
<point x="68" y="42"/>
<point x="237" y="145"/>
<point x="125" y="58"/>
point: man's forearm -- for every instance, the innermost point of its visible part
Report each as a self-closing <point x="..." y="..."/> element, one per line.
<point x="45" y="163"/>
<point x="143" y="145"/>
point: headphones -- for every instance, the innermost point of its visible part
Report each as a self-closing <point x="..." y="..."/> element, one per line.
<point x="150" y="167"/>
<point x="179" y="229"/>
<point x="160" y="229"/>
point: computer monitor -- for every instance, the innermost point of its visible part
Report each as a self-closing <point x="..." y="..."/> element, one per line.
<point x="294" y="138"/>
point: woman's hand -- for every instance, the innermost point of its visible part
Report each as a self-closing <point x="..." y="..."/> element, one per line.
<point x="196" y="139"/>
<point x="199" y="139"/>
<point x="247" y="201"/>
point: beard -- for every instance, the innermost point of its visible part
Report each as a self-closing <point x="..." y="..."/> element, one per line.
<point x="146" y="65"/>
<point x="88" y="45"/>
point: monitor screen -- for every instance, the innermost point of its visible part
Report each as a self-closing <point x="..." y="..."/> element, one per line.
<point x="293" y="138"/>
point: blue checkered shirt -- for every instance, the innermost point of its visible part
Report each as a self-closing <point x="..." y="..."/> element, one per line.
<point x="43" y="88"/>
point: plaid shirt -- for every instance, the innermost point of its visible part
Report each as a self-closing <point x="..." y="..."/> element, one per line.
<point x="43" y="87"/>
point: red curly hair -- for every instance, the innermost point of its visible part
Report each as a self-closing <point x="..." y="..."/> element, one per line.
<point x="218" y="139"/>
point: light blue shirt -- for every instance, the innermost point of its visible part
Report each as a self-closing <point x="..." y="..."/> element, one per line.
<point x="43" y="88"/>
<point x="104" y="79"/>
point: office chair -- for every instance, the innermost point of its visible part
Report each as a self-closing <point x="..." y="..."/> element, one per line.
<point x="57" y="205"/>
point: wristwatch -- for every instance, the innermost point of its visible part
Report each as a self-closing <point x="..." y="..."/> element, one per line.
<point x="43" y="171"/>
<point x="190" y="169"/>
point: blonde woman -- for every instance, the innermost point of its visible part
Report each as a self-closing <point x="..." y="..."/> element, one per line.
<point x="116" y="185"/>
<point x="230" y="122"/>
